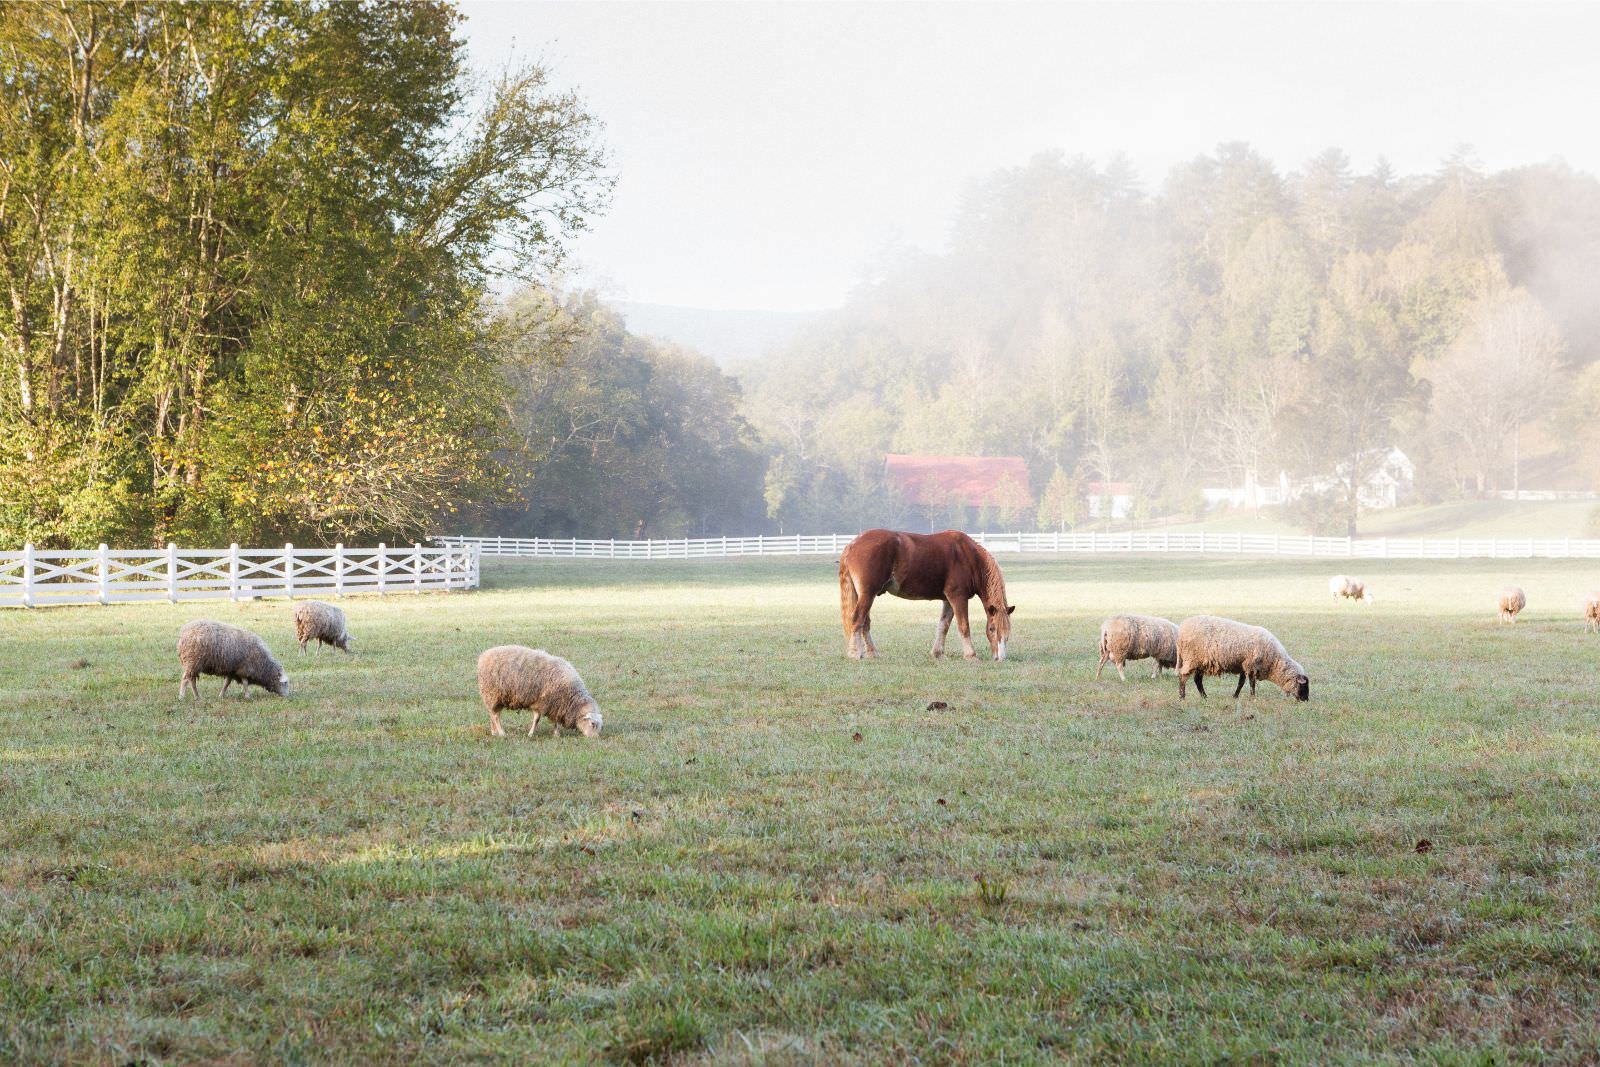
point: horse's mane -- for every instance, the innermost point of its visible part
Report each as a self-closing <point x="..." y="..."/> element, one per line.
<point x="994" y="583"/>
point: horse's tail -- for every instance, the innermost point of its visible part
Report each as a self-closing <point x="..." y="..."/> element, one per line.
<point x="847" y="599"/>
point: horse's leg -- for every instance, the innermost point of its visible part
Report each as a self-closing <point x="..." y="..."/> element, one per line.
<point x="861" y="628"/>
<point x="942" y="627"/>
<point x="960" y="606"/>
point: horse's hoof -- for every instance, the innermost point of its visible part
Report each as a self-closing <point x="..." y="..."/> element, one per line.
<point x="970" y="655"/>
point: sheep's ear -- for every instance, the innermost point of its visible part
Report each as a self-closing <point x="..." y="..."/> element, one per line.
<point x="1012" y="610"/>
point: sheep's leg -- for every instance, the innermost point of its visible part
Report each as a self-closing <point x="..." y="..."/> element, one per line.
<point x="941" y="628"/>
<point x="1240" y="687"/>
<point x="495" y="729"/>
<point x="226" y="681"/>
<point x="1157" y="672"/>
<point x="1199" y="683"/>
<point x="1120" y="675"/>
<point x="247" y="689"/>
<point x="1252" y="687"/>
<point x="187" y="682"/>
<point x="1097" y="670"/>
<point x="535" y="725"/>
<point x="959" y="605"/>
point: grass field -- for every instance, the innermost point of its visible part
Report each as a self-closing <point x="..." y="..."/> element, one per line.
<point x="777" y="855"/>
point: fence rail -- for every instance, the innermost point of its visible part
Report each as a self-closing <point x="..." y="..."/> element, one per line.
<point x="36" y="577"/>
<point x="1156" y="542"/>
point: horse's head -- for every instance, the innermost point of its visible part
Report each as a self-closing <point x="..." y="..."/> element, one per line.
<point x="998" y="628"/>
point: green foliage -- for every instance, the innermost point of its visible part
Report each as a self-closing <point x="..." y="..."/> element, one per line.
<point x="1233" y="324"/>
<point x="244" y="264"/>
<point x="1323" y="514"/>
<point x="614" y="435"/>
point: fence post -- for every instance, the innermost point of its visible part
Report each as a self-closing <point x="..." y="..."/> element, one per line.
<point x="233" y="572"/>
<point x="288" y="569"/>
<point x="416" y="567"/>
<point x="27" y="575"/>
<point x="380" y="566"/>
<point x="104" y="570"/>
<point x="1202" y="542"/>
<point x="1277" y="544"/>
<point x="1383" y="547"/>
<point x="172" y="573"/>
<point x="613" y="547"/>
<point x="338" y="568"/>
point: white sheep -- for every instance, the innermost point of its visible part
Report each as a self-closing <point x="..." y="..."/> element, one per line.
<point x="1126" y="637"/>
<point x="514" y="676"/>
<point x="322" y="623"/>
<point x="1211" y="645"/>
<point x="1342" y="585"/>
<point x="1591" y="611"/>
<point x="230" y="652"/>
<point x="1512" y="601"/>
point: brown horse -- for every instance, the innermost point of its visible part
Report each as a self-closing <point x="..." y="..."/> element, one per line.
<point x="948" y="566"/>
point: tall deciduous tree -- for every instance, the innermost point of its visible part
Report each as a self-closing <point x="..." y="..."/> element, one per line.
<point x="243" y="249"/>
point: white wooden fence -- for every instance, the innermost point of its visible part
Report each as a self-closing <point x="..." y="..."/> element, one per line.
<point x="1157" y="542"/>
<point x="36" y="577"/>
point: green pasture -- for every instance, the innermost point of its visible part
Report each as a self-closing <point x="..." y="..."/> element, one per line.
<point x="774" y="854"/>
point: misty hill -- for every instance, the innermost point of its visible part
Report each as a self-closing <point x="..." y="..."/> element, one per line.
<point x="726" y="335"/>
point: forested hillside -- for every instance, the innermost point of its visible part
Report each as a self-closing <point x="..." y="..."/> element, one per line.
<point x="1233" y="323"/>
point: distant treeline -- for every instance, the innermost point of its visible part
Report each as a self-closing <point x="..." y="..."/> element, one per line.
<point x="1239" y="320"/>
<point x="249" y="253"/>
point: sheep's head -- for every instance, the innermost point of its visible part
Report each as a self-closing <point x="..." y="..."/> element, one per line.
<point x="346" y="643"/>
<point x="998" y="629"/>
<point x="280" y="684"/>
<point x="1367" y="597"/>
<point x="1298" y="686"/>
<point x="590" y="721"/>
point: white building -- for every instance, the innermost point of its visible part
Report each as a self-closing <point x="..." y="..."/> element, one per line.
<point x="1109" y="499"/>
<point x="1388" y="486"/>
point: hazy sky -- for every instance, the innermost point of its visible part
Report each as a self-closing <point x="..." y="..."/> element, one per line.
<point x="767" y="151"/>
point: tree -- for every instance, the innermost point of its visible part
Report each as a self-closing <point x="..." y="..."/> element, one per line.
<point x="244" y="264"/>
<point x="1061" y="503"/>
<point x="1502" y="372"/>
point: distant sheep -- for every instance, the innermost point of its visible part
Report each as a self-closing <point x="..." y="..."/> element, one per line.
<point x="1591" y="611"/>
<point x="1126" y="637"/>
<point x="1208" y="644"/>
<point x="514" y="677"/>
<point x="229" y="652"/>
<point x="322" y="623"/>
<point x="1512" y="601"/>
<point x="1342" y="585"/>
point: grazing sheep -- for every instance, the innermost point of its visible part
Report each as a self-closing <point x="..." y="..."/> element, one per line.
<point x="1342" y="585"/>
<point x="322" y="623"/>
<point x="513" y="676"/>
<point x="1208" y="644"/>
<point x="1125" y="637"/>
<point x="230" y="652"/>
<point x="1591" y="611"/>
<point x="1512" y="601"/>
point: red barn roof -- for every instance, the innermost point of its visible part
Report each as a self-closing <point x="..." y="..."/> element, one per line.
<point x="973" y="481"/>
